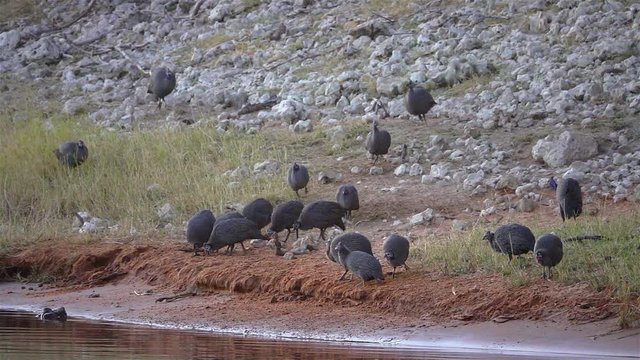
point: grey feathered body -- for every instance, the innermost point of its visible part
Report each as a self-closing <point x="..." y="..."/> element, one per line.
<point x="378" y="141"/>
<point x="162" y="83"/>
<point x="199" y="228"/>
<point x="353" y="241"/>
<point x="72" y="153"/>
<point x="419" y="101"/>
<point x="363" y="265"/>
<point x="298" y="177"/>
<point x="229" y="215"/>
<point x="569" y="196"/>
<point x="259" y="211"/>
<point x="321" y="214"/>
<point x="548" y="250"/>
<point x="285" y="215"/>
<point x="347" y="197"/>
<point x="232" y="231"/>
<point x="511" y="239"/>
<point x="396" y="250"/>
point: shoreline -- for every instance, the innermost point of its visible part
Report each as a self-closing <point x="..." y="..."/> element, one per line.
<point x="595" y="339"/>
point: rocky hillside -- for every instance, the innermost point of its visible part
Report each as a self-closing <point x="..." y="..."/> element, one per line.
<point x="505" y="74"/>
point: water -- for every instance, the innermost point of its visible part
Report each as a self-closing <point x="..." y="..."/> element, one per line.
<point x="23" y="336"/>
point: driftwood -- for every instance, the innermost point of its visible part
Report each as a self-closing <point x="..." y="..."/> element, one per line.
<point x="176" y="297"/>
<point x="251" y="108"/>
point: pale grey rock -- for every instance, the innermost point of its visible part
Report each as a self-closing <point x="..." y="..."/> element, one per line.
<point x="376" y="170"/>
<point x="525" y="205"/>
<point x="75" y="105"/>
<point x="388" y="86"/>
<point x="166" y="212"/>
<point x="473" y="180"/>
<point x="424" y="217"/>
<point x="44" y="49"/>
<point x="428" y="179"/>
<point x="568" y="147"/>
<point x="271" y="167"/>
<point x="459" y="225"/>
<point x="439" y="171"/>
<point x="356" y="170"/>
<point x="400" y="170"/>
<point x="416" y="170"/>
<point x="507" y="181"/>
<point x="302" y="126"/>
<point x="9" y="40"/>
<point x="329" y="176"/>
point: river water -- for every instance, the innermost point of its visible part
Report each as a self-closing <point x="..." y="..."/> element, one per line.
<point x="23" y="336"/>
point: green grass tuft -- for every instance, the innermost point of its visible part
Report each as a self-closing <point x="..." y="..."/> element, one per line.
<point x="38" y="196"/>
<point x="610" y="263"/>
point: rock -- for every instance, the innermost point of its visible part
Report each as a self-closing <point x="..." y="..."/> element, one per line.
<point x="289" y="110"/>
<point x="506" y="182"/>
<point x="525" y="205"/>
<point x="303" y="126"/>
<point x="568" y="147"/>
<point x="289" y="255"/>
<point x="328" y="176"/>
<point x="388" y="86"/>
<point x="336" y="134"/>
<point x="240" y="172"/>
<point x="473" y="180"/>
<point x="425" y="216"/>
<point x="376" y="170"/>
<point x="258" y="243"/>
<point x="636" y="194"/>
<point x="415" y="170"/>
<point x="9" y="40"/>
<point x="400" y="170"/>
<point x="458" y="225"/>
<point x="44" y="49"/>
<point x="74" y="105"/>
<point x="439" y="171"/>
<point x="270" y="167"/>
<point x="155" y="191"/>
<point x="166" y="213"/>
<point x="356" y="170"/>
<point x="427" y="179"/>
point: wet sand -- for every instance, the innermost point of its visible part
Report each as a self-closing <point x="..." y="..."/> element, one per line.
<point x="219" y="312"/>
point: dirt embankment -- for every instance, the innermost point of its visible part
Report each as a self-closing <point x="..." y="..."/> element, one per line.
<point x="259" y="277"/>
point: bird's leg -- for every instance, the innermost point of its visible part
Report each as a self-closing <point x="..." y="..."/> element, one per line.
<point x="195" y="250"/>
<point x="297" y="195"/>
<point x="230" y="249"/>
<point x="343" y="275"/>
<point x="393" y="276"/>
<point x="306" y="191"/>
<point x="544" y="273"/>
<point x="287" y="238"/>
<point x="322" y="235"/>
<point x="510" y="257"/>
<point x="243" y="249"/>
<point x="159" y="104"/>
<point x="406" y="267"/>
<point x="550" y="273"/>
<point x="297" y="234"/>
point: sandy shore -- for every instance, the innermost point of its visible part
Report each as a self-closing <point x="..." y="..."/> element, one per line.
<point x="220" y="312"/>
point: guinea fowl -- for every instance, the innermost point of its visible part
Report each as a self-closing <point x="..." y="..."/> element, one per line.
<point x="569" y="196"/>
<point x="161" y="84"/>
<point x="378" y="142"/>
<point x="230" y="232"/>
<point x="199" y="229"/>
<point x="363" y="265"/>
<point x="298" y="177"/>
<point x="419" y="101"/>
<point x="230" y="215"/>
<point x="259" y="211"/>
<point x="511" y="239"/>
<point x="353" y="241"/>
<point x="321" y="215"/>
<point x="72" y="153"/>
<point x="347" y="197"/>
<point x="283" y="217"/>
<point x="396" y="251"/>
<point x="548" y="252"/>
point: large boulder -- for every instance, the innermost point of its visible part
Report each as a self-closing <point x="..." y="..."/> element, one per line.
<point x="561" y="150"/>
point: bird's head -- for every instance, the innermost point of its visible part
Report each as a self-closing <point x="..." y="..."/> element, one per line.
<point x="540" y="255"/>
<point x="388" y="255"/>
<point x="296" y="225"/>
<point x="553" y="183"/>
<point x="488" y="236"/>
<point x="208" y="249"/>
<point x="81" y="144"/>
<point x="411" y="84"/>
<point x="270" y="233"/>
<point x="296" y="167"/>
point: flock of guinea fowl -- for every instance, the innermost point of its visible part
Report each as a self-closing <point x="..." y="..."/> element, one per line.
<point x="351" y="250"/>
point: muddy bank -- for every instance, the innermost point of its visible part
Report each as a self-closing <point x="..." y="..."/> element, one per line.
<point x="224" y="313"/>
<point x="258" y="293"/>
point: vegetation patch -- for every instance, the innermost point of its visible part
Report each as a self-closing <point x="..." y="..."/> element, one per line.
<point x="607" y="264"/>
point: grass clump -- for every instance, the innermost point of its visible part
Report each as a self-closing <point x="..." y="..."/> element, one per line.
<point x="39" y="197"/>
<point x="610" y="263"/>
